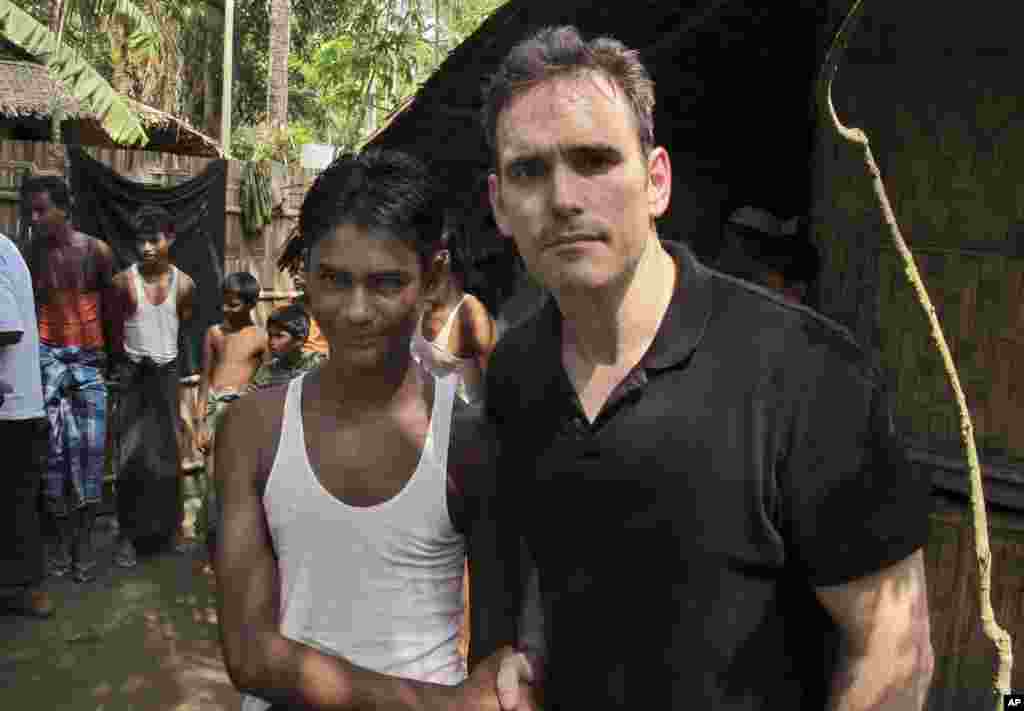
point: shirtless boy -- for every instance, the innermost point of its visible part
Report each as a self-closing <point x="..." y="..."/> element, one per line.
<point x="232" y="352"/>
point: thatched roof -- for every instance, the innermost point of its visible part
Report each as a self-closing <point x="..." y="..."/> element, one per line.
<point x="29" y="91"/>
<point x="733" y="94"/>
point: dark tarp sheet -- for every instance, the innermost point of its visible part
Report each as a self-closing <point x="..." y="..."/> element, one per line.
<point x="104" y="204"/>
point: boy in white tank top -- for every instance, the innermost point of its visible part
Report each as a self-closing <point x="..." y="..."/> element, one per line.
<point x="348" y="497"/>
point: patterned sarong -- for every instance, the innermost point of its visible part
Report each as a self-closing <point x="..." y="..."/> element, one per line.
<point x="75" y="398"/>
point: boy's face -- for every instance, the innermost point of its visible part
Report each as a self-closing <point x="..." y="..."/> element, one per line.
<point x="153" y="247"/>
<point x="281" y="342"/>
<point x="234" y="307"/>
<point x="366" y="291"/>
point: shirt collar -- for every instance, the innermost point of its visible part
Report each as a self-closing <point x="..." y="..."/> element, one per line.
<point x="685" y="322"/>
<point x="683" y="327"/>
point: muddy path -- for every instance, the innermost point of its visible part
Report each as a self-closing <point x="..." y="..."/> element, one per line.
<point x="142" y="639"/>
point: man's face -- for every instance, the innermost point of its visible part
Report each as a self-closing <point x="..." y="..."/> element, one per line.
<point x="281" y="342"/>
<point x="365" y="291"/>
<point x="47" y="219"/>
<point x="572" y="187"/>
<point x="153" y="247"/>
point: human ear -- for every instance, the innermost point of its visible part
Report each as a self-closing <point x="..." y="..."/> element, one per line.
<point x="494" y="195"/>
<point x="659" y="181"/>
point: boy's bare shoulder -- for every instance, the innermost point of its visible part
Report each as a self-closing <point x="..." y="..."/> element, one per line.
<point x="122" y="278"/>
<point x="256" y="420"/>
<point x="255" y="333"/>
<point x="215" y="333"/>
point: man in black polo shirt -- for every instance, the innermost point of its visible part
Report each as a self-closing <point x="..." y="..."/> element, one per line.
<point x="706" y="475"/>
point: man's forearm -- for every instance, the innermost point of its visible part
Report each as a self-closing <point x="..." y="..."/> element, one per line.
<point x="300" y="675"/>
<point x="864" y="683"/>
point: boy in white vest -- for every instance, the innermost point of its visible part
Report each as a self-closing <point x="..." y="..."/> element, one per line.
<point x="349" y="495"/>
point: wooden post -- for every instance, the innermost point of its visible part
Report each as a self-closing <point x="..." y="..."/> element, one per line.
<point x="225" y="99"/>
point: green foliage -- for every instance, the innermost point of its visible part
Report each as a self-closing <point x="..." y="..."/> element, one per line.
<point x="351" y="63"/>
<point x="78" y="77"/>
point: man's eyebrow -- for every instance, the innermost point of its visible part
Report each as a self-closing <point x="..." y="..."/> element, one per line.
<point x="606" y="149"/>
<point x="514" y="156"/>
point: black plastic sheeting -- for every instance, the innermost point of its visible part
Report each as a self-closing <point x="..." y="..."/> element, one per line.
<point x="104" y="204"/>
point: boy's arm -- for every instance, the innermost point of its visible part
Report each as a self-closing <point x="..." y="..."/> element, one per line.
<point x="186" y="297"/>
<point x="260" y="378"/>
<point x="259" y="659"/>
<point x="205" y="372"/>
<point x="118" y="304"/>
<point x="480" y="331"/>
<point x="109" y="301"/>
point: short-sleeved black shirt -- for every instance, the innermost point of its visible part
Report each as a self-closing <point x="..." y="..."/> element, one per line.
<point x="749" y="457"/>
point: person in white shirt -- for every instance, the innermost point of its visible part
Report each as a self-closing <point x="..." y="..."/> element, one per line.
<point x="24" y="432"/>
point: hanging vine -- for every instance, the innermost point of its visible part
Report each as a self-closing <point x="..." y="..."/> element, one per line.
<point x="855" y="137"/>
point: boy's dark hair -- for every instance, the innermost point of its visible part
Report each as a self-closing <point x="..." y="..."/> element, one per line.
<point x="561" y="51"/>
<point x="54" y="185"/>
<point x="374" y="189"/>
<point x="291" y="319"/>
<point x="245" y="285"/>
<point x="150" y="219"/>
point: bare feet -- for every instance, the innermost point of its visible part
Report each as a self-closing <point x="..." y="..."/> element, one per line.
<point x="29" y="603"/>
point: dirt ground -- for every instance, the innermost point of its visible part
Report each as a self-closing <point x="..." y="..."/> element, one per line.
<point x="141" y="639"/>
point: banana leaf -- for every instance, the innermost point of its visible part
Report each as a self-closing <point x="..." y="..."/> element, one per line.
<point x="146" y="32"/>
<point x="76" y="75"/>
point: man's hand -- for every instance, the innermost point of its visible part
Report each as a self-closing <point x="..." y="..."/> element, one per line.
<point x="204" y="438"/>
<point x="499" y="683"/>
<point x="515" y="676"/>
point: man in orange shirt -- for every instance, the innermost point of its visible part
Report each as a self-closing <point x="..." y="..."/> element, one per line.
<point x="72" y="276"/>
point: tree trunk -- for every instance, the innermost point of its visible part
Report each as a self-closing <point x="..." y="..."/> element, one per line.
<point x="56" y="10"/>
<point x="277" y="85"/>
<point x="120" y="79"/>
<point x="211" y="117"/>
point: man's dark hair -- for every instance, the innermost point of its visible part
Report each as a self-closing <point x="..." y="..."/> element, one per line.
<point x="561" y="51"/>
<point x="291" y="319"/>
<point x="245" y="285"/>
<point x="150" y="219"/>
<point x="375" y="189"/>
<point x="54" y="185"/>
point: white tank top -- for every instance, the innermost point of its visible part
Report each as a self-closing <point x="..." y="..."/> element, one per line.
<point x="380" y="586"/>
<point x="439" y="361"/>
<point x="152" y="331"/>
